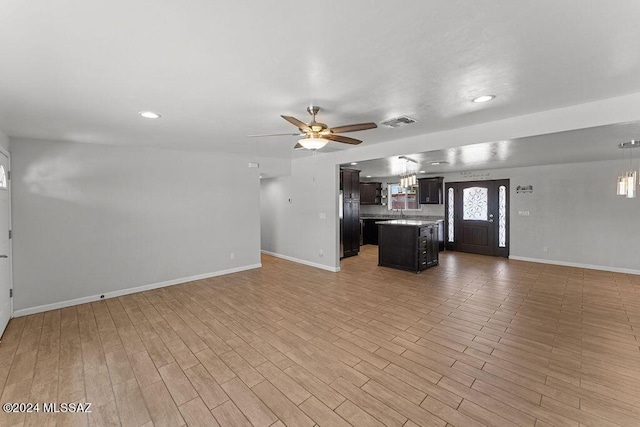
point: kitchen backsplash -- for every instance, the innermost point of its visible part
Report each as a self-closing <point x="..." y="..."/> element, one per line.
<point x="426" y="211"/>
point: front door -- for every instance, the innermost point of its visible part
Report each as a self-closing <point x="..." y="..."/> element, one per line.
<point x="477" y="217"/>
<point x="5" y="266"/>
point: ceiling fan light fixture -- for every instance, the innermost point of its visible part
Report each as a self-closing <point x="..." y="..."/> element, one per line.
<point x="313" y="143"/>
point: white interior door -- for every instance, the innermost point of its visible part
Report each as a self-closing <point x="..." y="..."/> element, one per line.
<point x="5" y="249"/>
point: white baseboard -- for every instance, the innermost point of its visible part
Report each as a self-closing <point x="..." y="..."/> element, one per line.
<point x="302" y="261"/>
<point x="92" y="298"/>
<point x="576" y="264"/>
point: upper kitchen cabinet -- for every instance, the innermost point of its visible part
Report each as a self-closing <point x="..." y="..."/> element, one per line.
<point x="370" y="193"/>
<point x="430" y="191"/>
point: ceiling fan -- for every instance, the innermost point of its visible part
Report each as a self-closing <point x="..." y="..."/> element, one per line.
<point x="317" y="135"/>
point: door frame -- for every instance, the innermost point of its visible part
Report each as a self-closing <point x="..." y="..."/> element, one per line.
<point x="10" y="246"/>
<point x="451" y="246"/>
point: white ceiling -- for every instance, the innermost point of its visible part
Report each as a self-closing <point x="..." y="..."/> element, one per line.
<point x="583" y="145"/>
<point x="79" y="70"/>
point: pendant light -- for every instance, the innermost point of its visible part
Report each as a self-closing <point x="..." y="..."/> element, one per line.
<point x="622" y="186"/>
<point x="632" y="183"/>
<point x="628" y="182"/>
<point x="408" y="177"/>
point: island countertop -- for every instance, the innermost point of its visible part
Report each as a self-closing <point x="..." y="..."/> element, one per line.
<point x="407" y="222"/>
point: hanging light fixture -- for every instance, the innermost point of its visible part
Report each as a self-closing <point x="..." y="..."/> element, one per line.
<point x="622" y="186"/>
<point x="632" y="183"/>
<point x="627" y="182"/>
<point x="408" y="177"/>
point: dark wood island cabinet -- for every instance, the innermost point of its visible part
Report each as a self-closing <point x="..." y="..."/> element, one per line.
<point x="408" y="244"/>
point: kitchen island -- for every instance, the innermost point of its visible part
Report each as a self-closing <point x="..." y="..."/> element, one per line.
<point x="370" y="236"/>
<point x="408" y="244"/>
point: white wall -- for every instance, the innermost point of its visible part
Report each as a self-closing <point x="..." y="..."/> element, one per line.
<point x="275" y="212"/>
<point x="573" y="211"/>
<point x="305" y="246"/>
<point x="91" y="219"/>
<point x="296" y="223"/>
<point x="4" y="140"/>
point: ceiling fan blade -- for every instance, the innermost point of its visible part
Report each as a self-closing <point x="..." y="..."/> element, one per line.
<point x="344" y="139"/>
<point x="298" y="146"/>
<point x="297" y="123"/>
<point x="276" y="134"/>
<point x="354" y="128"/>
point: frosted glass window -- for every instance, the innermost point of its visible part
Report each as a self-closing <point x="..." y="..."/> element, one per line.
<point x="450" y="214"/>
<point x="3" y="178"/>
<point x="502" y="216"/>
<point x="474" y="203"/>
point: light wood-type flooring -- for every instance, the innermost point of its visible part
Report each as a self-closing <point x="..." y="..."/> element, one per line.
<point x="475" y="341"/>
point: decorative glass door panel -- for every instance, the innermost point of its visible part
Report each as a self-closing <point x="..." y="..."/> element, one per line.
<point x="475" y="203"/>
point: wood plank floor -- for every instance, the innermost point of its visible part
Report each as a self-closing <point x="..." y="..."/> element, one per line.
<point x="475" y="341"/>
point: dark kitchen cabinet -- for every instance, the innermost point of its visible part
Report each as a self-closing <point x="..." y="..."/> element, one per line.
<point x="430" y="191"/>
<point x="350" y="223"/>
<point x="370" y="232"/>
<point x="370" y="193"/>
<point x="412" y="248"/>
<point x="350" y="183"/>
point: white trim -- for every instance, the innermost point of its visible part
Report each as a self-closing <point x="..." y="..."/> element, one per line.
<point x="302" y="261"/>
<point x="576" y="264"/>
<point x="84" y="300"/>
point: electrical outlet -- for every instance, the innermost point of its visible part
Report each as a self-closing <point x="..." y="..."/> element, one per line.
<point x="321" y="253"/>
<point x="545" y="249"/>
<point x="322" y="215"/>
<point x="523" y="213"/>
<point x="232" y="255"/>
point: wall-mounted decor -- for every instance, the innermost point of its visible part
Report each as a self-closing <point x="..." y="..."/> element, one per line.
<point x="484" y="175"/>
<point x="524" y="189"/>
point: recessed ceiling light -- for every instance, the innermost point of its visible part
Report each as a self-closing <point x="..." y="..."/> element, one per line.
<point x="438" y="163"/>
<point x="149" y="115"/>
<point x="354" y="163"/>
<point x="483" y="98"/>
<point x="423" y="171"/>
<point x="368" y="176"/>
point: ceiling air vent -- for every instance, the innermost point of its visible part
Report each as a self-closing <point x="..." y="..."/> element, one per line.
<point x="399" y="121"/>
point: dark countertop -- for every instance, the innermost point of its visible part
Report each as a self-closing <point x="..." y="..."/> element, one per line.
<point x="407" y="222"/>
